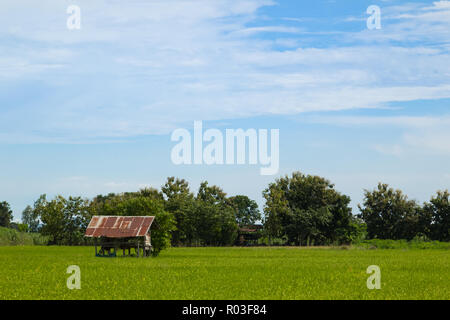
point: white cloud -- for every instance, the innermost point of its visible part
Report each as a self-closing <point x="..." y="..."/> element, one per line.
<point x="14" y="68"/>
<point x="436" y="141"/>
<point x="251" y="31"/>
<point x="147" y="67"/>
<point x="421" y="134"/>
<point x="424" y="122"/>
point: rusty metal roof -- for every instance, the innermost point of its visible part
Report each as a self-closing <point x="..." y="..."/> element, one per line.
<point x="118" y="226"/>
<point x="251" y="228"/>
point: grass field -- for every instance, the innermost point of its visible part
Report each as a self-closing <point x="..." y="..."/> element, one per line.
<point x="225" y="273"/>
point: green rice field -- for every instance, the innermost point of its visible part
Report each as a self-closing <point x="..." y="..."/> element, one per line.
<point x="38" y="272"/>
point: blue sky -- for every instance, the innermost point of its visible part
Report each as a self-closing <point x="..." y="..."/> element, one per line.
<point x="91" y="111"/>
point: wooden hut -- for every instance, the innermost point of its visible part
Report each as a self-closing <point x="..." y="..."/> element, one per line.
<point x="113" y="233"/>
<point x="249" y="234"/>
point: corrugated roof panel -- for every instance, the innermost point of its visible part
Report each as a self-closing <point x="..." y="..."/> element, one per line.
<point x="89" y="232"/>
<point x="118" y="222"/>
<point x="101" y="222"/>
<point x="136" y="226"/>
<point x="136" y="223"/>
<point x="145" y="226"/>
<point x="93" y="222"/>
<point x="97" y="232"/>
<point x="118" y="226"/>
<point x="110" y="221"/>
<point x="114" y="233"/>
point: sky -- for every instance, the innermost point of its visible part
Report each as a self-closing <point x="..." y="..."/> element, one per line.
<point x="90" y="111"/>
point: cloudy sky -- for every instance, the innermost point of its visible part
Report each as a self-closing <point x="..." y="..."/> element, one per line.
<point x="91" y="111"/>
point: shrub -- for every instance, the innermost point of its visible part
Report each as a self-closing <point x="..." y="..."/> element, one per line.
<point x="416" y="243"/>
<point x="12" y="237"/>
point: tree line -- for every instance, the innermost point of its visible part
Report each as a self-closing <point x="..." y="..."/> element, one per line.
<point x="305" y="209"/>
<point x="182" y="218"/>
<point x="299" y="210"/>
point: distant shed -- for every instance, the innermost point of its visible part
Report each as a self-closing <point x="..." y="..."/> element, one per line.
<point x="249" y="234"/>
<point x="121" y="232"/>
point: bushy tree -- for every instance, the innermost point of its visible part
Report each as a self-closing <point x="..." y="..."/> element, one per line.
<point x="106" y="204"/>
<point x="149" y="193"/>
<point x="6" y="214"/>
<point x="436" y="217"/>
<point x="77" y="216"/>
<point x="305" y="209"/>
<point x="389" y="214"/>
<point x="181" y="203"/>
<point x="275" y="211"/>
<point x="31" y="219"/>
<point x="63" y="220"/>
<point x="246" y="210"/>
<point x="22" y="227"/>
<point x="214" y="219"/>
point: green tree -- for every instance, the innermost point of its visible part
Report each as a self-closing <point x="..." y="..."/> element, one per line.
<point x="247" y="211"/>
<point x="389" y="214"/>
<point x="51" y="213"/>
<point x="104" y="205"/>
<point x="211" y="194"/>
<point x="437" y="216"/>
<point x="63" y="220"/>
<point x="22" y="227"/>
<point x="6" y="214"/>
<point x="181" y="203"/>
<point x="214" y="219"/>
<point x="31" y="219"/>
<point x="306" y="209"/>
<point x="308" y="225"/>
<point x="151" y="193"/>
<point x="77" y="216"/>
<point x="275" y="211"/>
